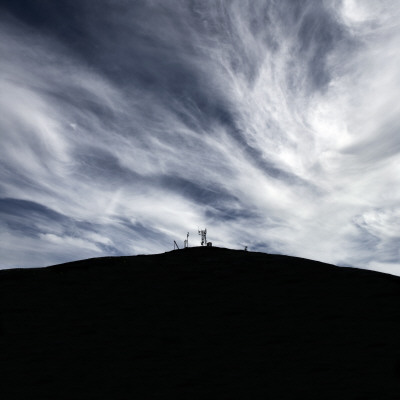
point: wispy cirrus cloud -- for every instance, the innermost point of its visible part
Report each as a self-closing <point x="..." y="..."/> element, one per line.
<point x="273" y="124"/>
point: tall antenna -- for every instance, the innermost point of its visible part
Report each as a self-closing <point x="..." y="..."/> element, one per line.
<point x="203" y="234"/>
<point x="186" y="242"/>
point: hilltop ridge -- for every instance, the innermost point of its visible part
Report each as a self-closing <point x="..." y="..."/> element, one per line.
<point x="199" y="323"/>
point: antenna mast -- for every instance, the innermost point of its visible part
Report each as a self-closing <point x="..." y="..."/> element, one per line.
<point x="186" y="242"/>
<point x="203" y="234"/>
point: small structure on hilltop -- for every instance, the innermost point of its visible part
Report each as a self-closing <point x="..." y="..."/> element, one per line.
<point x="186" y="242"/>
<point x="203" y="234"/>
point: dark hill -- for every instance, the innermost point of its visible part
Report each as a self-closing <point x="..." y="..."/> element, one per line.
<point x="199" y="323"/>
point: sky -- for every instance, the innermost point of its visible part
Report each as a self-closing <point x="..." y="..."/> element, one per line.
<point x="273" y="124"/>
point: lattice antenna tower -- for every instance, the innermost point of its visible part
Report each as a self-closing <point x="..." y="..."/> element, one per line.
<point x="203" y="234"/>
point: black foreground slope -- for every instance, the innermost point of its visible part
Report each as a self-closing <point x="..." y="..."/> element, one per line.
<point x="199" y="323"/>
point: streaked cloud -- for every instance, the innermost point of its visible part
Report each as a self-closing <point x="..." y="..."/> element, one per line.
<point x="273" y="124"/>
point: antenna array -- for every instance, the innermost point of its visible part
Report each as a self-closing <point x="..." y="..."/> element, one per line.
<point x="203" y="234"/>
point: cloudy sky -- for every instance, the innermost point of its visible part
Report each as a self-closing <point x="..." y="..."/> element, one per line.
<point x="125" y="124"/>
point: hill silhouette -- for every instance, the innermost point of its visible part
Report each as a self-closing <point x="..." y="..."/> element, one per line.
<point x="199" y="323"/>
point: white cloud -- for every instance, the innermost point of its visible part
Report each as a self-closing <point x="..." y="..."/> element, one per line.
<point x="68" y="242"/>
<point x="307" y="169"/>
